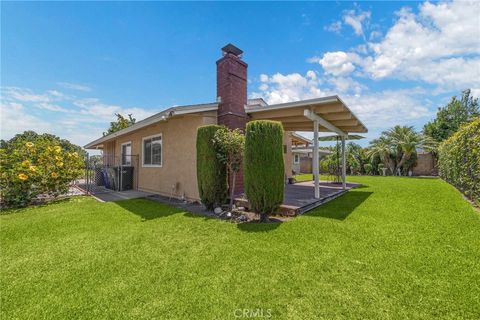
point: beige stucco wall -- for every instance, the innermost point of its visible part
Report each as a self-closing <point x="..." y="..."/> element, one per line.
<point x="178" y="155"/>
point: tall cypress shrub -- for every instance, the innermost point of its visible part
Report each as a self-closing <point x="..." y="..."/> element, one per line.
<point x="263" y="166"/>
<point x="459" y="159"/>
<point x="211" y="173"/>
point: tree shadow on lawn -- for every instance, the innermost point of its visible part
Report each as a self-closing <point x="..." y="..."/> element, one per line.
<point x="341" y="207"/>
<point x="148" y="209"/>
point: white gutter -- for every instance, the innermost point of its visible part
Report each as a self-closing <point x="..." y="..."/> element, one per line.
<point x="161" y="116"/>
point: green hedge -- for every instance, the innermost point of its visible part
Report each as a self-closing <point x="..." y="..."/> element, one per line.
<point x="263" y="166"/>
<point x="211" y="173"/>
<point x="459" y="159"/>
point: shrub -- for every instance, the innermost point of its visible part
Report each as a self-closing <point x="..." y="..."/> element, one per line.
<point x="263" y="166"/>
<point x="211" y="172"/>
<point x="33" y="165"/>
<point x="459" y="159"/>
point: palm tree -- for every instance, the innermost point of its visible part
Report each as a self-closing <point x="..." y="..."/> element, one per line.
<point x="383" y="148"/>
<point x="405" y="141"/>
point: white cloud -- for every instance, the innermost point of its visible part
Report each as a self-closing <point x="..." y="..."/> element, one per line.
<point x="280" y="88"/>
<point x="336" y="63"/>
<point x="439" y="46"/>
<point x="346" y="84"/>
<point x="78" y="119"/>
<point x="475" y="92"/>
<point x="375" y="34"/>
<point x="378" y="110"/>
<point x="14" y="118"/>
<point x="75" y="86"/>
<point x="355" y="19"/>
<point x="334" y="27"/>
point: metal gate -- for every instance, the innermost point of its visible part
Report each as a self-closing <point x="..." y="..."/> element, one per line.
<point x="106" y="173"/>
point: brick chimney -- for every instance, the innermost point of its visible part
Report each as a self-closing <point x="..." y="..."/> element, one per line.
<point x="232" y="88"/>
<point x="232" y="96"/>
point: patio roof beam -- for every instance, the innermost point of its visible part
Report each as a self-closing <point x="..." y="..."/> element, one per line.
<point x="324" y="123"/>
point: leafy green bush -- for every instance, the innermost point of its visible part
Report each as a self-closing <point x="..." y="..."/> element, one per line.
<point x="229" y="145"/>
<point x="263" y="166"/>
<point x="459" y="159"/>
<point x="33" y="165"/>
<point x="211" y="172"/>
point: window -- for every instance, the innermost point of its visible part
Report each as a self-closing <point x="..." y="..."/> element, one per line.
<point x="296" y="158"/>
<point x="127" y="154"/>
<point x="152" y="151"/>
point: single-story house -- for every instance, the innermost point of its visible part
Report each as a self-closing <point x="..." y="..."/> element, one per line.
<point x="302" y="153"/>
<point x="161" y="148"/>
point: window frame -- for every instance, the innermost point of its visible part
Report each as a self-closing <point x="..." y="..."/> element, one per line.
<point x="161" y="151"/>
<point x="296" y="156"/>
<point x="121" y="153"/>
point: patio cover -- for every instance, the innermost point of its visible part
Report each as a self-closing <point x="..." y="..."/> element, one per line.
<point x="327" y="114"/>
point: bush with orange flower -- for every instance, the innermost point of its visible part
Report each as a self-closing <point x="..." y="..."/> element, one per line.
<point x="32" y="165"/>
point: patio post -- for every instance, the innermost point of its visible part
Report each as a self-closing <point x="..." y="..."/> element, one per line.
<point x="315" y="159"/>
<point x="344" y="164"/>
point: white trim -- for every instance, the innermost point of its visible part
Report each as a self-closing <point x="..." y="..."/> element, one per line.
<point x="297" y="160"/>
<point x="301" y="103"/>
<point x="161" y="151"/>
<point x="161" y="116"/>
<point x="121" y="152"/>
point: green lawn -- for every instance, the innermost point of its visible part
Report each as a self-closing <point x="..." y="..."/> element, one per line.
<point x="397" y="248"/>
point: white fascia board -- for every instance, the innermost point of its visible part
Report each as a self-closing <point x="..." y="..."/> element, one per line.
<point x="161" y="116"/>
<point x="287" y="105"/>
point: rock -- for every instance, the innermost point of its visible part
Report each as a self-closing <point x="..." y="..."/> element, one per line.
<point x="217" y="210"/>
<point x="229" y="214"/>
<point x="242" y="218"/>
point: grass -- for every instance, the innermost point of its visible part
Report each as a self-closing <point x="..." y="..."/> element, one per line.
<point x="309" y="177"/>
<point x="397" y="248"/>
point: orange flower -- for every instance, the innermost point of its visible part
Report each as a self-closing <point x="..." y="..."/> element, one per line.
<point x="33" y="168"/>
<point x="29" y="144"/>
<point x="60" y="164"/>
<point x="26" y="163"/>
<point x="22" y="176"/>
<point x="54" y="175"/>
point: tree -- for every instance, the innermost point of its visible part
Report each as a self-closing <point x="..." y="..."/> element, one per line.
<point x="263" y="168"/>
<point x="397" y="146"/>
<point x="121" y="123"/>
<point x="382" y="147"/>
<point x="230" y="145"/>
<point x="449" y="118"/>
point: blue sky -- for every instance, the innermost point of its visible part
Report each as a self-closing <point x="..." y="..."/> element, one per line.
<point x="66" y="68"/>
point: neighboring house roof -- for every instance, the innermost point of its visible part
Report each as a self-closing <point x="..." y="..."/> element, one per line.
<point x="256" y="102"/>
<point x="161" y="116"/>
<point x="310" y="150"/>
<point x="300" y="138"/>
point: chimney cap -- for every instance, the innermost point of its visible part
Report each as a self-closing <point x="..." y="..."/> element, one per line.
<point x="230" y="48"/>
